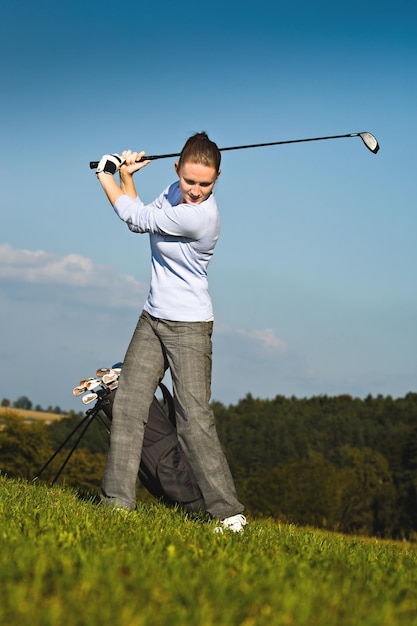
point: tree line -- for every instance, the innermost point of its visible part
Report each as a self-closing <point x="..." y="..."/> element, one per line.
<point x="23" y="402"/>
<point x="340" y="463"/>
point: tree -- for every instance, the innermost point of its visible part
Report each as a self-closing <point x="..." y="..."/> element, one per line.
<point x="370" y="500"/>
<point x="307" y="492"/>
<point x="23" y="403"/>
<point x="22" y="447"/>
<point x="84" y="470"/>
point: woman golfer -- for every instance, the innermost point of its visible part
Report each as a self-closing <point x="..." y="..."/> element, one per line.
<point x="174" y="329"/>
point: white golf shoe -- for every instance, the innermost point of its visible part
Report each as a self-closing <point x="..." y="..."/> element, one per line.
<point x="234" y="523"/>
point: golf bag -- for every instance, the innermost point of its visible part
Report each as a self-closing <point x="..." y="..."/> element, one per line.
<point x="164" y="470"/>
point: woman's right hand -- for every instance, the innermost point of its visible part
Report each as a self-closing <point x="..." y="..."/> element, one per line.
<point x="132" y="161"/>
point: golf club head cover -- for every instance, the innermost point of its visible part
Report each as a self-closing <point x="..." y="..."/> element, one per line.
<point x="109" y="164"/>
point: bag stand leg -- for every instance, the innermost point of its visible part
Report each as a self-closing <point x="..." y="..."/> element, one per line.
<point x="86" y="423"/>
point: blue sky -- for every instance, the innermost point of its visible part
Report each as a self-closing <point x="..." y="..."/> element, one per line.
<point x="314" y="277"/>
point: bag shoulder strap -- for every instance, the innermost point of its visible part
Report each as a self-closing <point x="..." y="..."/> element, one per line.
<point x="169" y="401"/>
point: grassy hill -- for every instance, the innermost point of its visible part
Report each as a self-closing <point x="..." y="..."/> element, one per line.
<point x="32" y="416"/>
<point x="66" y="560"/>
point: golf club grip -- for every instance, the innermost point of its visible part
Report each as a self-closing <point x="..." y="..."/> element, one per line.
<point x="94" y="164"/>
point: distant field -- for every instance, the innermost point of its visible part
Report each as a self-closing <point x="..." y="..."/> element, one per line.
<point x="31" y="416"/>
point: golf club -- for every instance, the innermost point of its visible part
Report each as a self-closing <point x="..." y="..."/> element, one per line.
<point x="110" y="378"/>
<point x="78" y="391"/>
<point x="103" y="370"/>
<point x="90" y="397"/>
<point x="368" y="139"/>
<point x="113" y="385"/>
<point x="84" y="381"/>
<point x="93" y="384"/>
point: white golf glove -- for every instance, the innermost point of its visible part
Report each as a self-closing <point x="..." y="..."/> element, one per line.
<point x="109" y="164"/>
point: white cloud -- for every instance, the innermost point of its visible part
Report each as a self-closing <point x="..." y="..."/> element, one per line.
<point x="73" y="278"/>
<point x="61" y="318"/>
<point x="266" y="337"/>
<point x="263" y="341"/>
<point x="255" y="361"/>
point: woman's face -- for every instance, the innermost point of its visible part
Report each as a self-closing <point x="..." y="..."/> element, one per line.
<point x="196" y="181"/>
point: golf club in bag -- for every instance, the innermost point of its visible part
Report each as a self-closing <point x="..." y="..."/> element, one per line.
<point x="368" y="139"/>
<point x="164" y="470"/>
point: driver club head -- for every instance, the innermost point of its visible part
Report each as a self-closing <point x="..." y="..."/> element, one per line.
<point x="370" y="142"/>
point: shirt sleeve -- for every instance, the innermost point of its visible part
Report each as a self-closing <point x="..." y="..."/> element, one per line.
<point x="161" y="217"/>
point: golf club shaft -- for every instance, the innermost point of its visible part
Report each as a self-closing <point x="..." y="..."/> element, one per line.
<point x="94" y="164"/>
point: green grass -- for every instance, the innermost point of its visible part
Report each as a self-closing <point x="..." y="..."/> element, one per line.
<point x="67" y="561"/>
